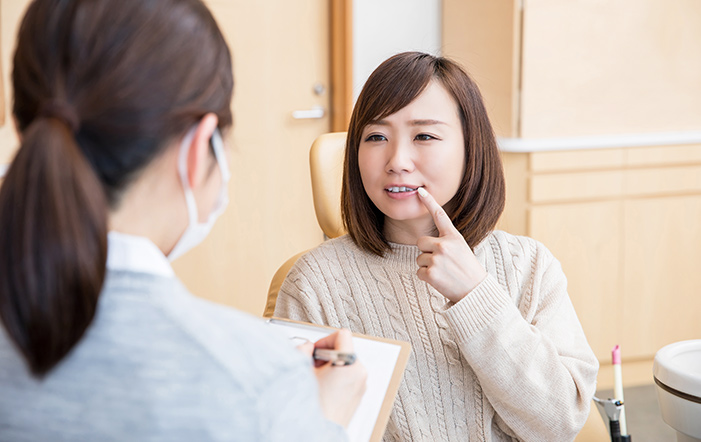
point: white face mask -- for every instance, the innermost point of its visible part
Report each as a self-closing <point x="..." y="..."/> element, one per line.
<point x="196" y="231"/>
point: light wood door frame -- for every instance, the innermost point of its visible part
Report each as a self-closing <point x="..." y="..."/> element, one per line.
<point x="341" y="64"/>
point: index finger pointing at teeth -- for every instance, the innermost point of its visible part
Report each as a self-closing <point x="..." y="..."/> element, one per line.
<point x="440" y="218"/>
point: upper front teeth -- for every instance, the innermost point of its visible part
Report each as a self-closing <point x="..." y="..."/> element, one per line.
<point x="400" y="189"/>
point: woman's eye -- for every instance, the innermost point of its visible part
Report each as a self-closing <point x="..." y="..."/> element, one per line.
<point x="424" y="137"/>
<point x="376" y="138"/>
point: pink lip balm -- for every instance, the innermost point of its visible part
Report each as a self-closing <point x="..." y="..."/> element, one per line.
<point x="618" y="385"/>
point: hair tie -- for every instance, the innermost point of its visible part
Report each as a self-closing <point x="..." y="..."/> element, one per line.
<point x="61" y="111"/>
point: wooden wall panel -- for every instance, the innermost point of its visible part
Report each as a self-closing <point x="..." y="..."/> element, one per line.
<point x="484" y="37"/>
<point x="594" y="67"/>
<point x="10" y="15"/>
<point x="2" y="79"/>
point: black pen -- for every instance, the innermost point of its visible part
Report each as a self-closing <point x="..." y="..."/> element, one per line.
<point x="334" y="356"/>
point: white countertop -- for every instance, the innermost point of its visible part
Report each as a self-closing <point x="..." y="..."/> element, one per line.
<point x="525" y="145"/>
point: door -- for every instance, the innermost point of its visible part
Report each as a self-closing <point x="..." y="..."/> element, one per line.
<point x="281" y="62"/>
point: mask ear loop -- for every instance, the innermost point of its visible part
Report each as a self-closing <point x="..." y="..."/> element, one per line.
<point x="182" y="169"/>
<point x="220" y="155"/>
<point x="218" y="148"/>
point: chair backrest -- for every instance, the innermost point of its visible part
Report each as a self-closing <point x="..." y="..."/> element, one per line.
<point x="326" y="166"/>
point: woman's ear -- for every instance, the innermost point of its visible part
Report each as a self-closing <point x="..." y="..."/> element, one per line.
<point x="199" y="156"/>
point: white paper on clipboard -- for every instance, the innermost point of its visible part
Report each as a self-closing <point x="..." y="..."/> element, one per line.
<point x="384" y="360"/>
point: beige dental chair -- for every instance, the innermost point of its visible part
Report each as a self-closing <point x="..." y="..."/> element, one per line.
<point x="326" y="164"/>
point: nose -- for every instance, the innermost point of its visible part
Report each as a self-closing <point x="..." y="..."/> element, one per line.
<point x="399" y="158"/>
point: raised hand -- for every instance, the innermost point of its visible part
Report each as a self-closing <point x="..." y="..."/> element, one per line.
<point x="447" y="262"/>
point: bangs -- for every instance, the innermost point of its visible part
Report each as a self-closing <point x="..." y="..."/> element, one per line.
<point x="392" y="86"/>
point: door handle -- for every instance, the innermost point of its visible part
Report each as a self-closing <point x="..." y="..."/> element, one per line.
<point x="314" y="113"/>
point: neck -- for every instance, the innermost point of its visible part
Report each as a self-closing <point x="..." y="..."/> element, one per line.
<point x="408" y="232"/>
<point x="153" y="207"/>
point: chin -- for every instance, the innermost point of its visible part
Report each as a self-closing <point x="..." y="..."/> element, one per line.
<point x="405" y="215"/>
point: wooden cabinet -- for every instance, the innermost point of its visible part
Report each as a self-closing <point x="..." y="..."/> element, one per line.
<point x="584" y="238"/>
<point x="552" y="68"/>
<point x="661" y="247"/>
<point x="626" y="226"/>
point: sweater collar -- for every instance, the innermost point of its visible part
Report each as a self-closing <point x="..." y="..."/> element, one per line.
<point x="400" y="257"/>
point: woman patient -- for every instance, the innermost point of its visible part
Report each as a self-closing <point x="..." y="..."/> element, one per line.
<point x="498" y="351"/>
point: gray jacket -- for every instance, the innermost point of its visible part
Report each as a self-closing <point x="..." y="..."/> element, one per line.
<point x="159" y="364"/>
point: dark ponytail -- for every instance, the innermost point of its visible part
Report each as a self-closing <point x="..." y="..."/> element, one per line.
<point x="53" y="261"/>
<point x="101" y="87"/>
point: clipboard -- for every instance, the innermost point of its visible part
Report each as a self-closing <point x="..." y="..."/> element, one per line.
<point x="385" y="361"/>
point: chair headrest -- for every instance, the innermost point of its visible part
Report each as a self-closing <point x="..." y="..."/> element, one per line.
<point x="326" y="165"/>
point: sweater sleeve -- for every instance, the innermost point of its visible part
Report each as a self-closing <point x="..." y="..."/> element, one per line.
<point x="538" y="374"/>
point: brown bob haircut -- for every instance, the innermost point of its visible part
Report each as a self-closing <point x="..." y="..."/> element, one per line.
<point x="479" y="201"/>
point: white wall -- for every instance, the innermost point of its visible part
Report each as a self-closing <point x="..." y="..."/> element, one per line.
<point x="382" y="28"/>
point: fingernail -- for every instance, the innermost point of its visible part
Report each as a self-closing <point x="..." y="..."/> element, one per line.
<point x="422" y="191"/>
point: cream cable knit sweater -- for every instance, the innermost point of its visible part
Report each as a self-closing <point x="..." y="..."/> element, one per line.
<point x="509" y="361"/>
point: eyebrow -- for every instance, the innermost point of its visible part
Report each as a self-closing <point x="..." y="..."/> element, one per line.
<point x="411" y="123"/>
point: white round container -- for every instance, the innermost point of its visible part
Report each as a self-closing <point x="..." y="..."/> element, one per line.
<point x="677" y="372"/>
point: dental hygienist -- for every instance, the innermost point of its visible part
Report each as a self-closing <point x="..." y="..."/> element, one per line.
<point x="121" y="168"/>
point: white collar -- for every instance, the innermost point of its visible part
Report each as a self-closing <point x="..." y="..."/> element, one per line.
<point x="136" y="254"/>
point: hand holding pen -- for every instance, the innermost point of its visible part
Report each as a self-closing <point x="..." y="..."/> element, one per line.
<point x="322" y="355"/>
<point x="342" y="382"/>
